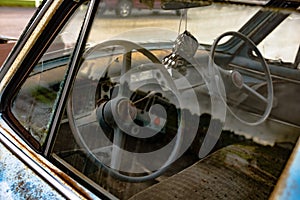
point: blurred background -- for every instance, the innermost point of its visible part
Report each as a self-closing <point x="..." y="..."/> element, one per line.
<point x="14" y="15"/>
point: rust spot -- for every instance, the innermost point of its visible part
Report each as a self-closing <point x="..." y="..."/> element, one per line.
<point x="60" y="176"/>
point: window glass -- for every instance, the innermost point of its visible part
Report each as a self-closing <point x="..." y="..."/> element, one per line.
<point x="35" y="102"/>
<point x="121" y="74"/>
<point x="283" y="43"/>
<point x="133" y="116"/>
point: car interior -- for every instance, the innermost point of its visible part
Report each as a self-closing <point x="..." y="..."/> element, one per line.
<point x="148" y="118"/>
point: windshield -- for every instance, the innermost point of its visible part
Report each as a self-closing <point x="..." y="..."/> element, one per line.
<point x="205" y="23"/>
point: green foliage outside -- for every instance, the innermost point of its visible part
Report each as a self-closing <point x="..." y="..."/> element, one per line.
<point x="17" y="3"/>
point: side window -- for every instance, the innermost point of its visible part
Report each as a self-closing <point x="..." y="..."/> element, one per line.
<point x="283" y="43"/>
<point x="34" y="104"/>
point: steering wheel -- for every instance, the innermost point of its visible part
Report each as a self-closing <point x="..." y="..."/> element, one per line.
<point x="115" y="110"/>
<point x="235" y="80"/>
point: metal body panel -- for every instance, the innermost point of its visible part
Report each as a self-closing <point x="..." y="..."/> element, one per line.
<point x="29" y="165"/>
<point x="17" y="181"/>
<point x="288" y="186"/>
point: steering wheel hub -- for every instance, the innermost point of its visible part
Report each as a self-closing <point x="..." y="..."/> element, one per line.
<point x="237" y="79"/>
<point x="120" y="108"/>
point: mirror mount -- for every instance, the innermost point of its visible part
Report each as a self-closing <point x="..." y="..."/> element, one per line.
<point x="184" y="4"/>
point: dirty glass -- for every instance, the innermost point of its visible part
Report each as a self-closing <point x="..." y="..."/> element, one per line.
<point x="167" y="102"/>
<point x="34" y="103"/>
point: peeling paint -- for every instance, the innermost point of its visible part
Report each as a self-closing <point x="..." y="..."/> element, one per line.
<point x="17" y="181"/>
<point x="69" y="187"/>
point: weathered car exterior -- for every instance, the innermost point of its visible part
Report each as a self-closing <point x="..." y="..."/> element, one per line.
<point x="34" y="163"/>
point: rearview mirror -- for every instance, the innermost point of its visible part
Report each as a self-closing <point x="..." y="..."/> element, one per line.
<point x="183" y="4"/>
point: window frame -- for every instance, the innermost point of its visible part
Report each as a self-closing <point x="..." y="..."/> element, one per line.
<point x="34" y="54"/>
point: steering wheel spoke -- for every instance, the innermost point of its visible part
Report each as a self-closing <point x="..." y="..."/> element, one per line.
<point x="252" y="91"/>
<point x="116" y="154"/>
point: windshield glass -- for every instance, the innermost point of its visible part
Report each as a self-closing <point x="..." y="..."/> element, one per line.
<point x="205" y="23"/>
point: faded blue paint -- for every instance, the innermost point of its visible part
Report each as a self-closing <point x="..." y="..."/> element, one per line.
<point x="292" y="185"/>
<point x="289" y="186"/>
<point x="18" y="182"/>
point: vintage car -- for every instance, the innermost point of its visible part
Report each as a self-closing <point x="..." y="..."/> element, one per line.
<point x="204" y="105"/>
